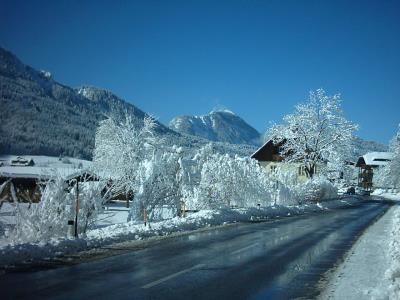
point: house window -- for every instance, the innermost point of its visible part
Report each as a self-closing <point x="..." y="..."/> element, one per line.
<point x="272" y="168"/>
<point x="303" y="172"/>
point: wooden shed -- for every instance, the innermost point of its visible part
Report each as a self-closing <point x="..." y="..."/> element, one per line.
<point x="367" y="164"/>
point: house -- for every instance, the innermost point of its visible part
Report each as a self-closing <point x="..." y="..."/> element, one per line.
<point x="367" y="164"/>
<point x="22" y="180"/>
<point x="20" y="161"/>
<point x="269" y="157"/>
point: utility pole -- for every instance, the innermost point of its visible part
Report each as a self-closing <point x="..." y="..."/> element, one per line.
<point x="76" y="208"/>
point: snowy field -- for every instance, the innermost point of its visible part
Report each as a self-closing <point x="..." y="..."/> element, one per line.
<point x="113" y="228"/>
<point x="371" y="269"/>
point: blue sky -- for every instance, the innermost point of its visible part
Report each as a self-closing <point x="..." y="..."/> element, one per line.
<point x="257" y="58"/>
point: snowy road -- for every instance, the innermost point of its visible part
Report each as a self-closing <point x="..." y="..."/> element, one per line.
<point x="362" y="275"/>
<point x="279" y="259"/>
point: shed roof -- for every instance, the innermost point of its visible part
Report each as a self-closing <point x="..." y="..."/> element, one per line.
<point x="37" y="172"/>
<point x="375" y="159"/>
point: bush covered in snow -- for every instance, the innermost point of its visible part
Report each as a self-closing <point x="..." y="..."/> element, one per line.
<point x="49" y="218"/>
<point x="316" y="189"/>
<point x="227" y="181"/>
<point x="160" y="181"/>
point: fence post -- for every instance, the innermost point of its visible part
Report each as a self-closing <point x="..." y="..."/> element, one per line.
<point x="183" y="209"/>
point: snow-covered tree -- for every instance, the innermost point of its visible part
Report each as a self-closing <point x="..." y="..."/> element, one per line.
<point x="394" y="165"/>
<point x="160" y="183"/>
<point x="317" y="132"/>
<point x="120" y="149"/>
<point x="136" y="161"/>
<point x="232" y="181"/>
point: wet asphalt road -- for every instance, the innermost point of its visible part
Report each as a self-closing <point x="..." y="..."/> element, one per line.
<point x="280" y="259"/>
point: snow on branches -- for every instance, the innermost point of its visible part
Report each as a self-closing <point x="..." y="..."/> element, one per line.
<point x="138" y="163"/>
<point x="135" y="161"/>
<point x="317" y="132"/>
<point x="160" y="182"/>
<point x="49" y="218"/>
<point x="120" y="149"/>
<point x="394" y="164"/>
<point x="226" y="181"/>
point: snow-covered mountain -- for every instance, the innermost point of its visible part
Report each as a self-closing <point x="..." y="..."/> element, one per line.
<point x="40" y="116"/>
<point x="223" y="126"/>
<point x="43" y="117"/>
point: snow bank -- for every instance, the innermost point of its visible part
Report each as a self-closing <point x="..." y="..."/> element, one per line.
<point x="31" y="252"/>
<point x="393" y="273"/>
<point x="361" y="275"/>
<point x="386" y="194"/>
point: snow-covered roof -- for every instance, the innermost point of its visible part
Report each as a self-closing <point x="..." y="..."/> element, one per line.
<point x="44" y="168"/>
<point x="259" y="149"/>
<point x="22" y="161"/>
<point x="377" y="158"/>
<point x="36" y="172"/>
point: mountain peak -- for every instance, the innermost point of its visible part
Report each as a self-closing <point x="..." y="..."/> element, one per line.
<point x="223" y="110"/>
<point x="218" y="125"/>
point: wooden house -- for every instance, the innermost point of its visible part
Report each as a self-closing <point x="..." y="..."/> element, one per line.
<point x="20" y="161"/>
<point x="367" y="164"/>
<point x="269" y="157"/>
<point x="22" y="180"/>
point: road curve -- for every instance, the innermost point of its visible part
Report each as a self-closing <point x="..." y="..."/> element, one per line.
<point x="279" y="259"/>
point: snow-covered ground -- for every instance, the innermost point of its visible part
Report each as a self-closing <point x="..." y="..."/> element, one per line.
<point x="371" y="269"/>
<point x="44" y="166"/>
<point x="122" y="231"/>
<point x="114" y="213"/>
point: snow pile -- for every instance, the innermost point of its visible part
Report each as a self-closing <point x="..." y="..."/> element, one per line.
<point x="387" y="195"/>
<point x="362" y="273"/>
<point x="15" y="253"/>
<point x="317" y="189"/>
<point x="393" y="273"/>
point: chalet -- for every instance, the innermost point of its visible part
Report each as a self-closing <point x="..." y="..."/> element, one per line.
<point x="269" y="157"/>
<point x="22" y="180"/>
<point x="22" y="162"/>
<point x="367" y="164"/>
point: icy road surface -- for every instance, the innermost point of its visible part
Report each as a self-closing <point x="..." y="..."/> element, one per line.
<point x="273" y="260"/>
